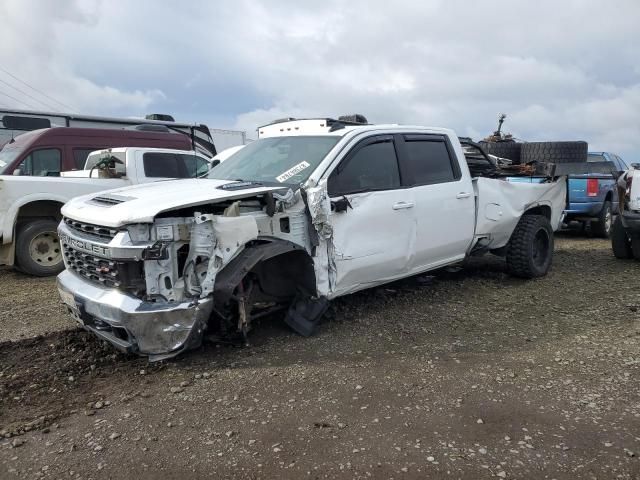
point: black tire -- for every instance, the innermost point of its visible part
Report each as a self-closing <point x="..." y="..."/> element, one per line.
<point x="635" y="247"/>
<point x="530" y="249"/>
<point x="38" y="249"/>
<point x="602" y="226"/>
<point x="554" y="152"/>
<point x="620" y="241"/>
<point x="509" y="150"/>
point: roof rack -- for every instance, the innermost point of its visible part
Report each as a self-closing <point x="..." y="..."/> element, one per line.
<point x="343" y="120"/>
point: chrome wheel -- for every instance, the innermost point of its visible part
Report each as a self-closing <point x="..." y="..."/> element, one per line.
<point x="608" y="221"/>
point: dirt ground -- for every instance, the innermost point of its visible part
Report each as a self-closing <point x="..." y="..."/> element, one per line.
<point x="468" y="374"/>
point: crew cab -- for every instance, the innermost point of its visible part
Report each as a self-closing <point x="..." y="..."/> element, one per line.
<point x="30" y="205"/>
<point x="625" y="234"/>
<point x="593" y="196"/>
<point x="312" y="210"/>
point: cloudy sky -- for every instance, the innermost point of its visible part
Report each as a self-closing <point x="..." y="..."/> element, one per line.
<point x="560" y="70"/>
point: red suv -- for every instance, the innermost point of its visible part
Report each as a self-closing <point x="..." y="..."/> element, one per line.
<point x="49" y="151"/>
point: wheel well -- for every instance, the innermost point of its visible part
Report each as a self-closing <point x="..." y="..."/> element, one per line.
<point x="282" y="269"/>
<point x="283" y="276"/>
<point x="41" y="209"/>
<point x="609" y="196"/>
<point x="543" y="210"/>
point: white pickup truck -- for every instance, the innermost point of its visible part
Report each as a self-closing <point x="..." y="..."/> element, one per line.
<point x="625" y="232"/>
<point x="312" y="210"/>
<point x="30" y="206"/>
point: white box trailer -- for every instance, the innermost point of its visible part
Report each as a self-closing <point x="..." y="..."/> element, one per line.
<point x="16" y="122"/>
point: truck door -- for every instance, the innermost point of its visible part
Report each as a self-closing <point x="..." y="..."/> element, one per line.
<point x="443" y="196"/>
<point x="373" y="216"/>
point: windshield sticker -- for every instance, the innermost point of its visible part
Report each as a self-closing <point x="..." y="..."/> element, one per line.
<point x="292" y="172"/>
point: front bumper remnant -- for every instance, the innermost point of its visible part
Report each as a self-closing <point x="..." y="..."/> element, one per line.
<point x="156" y="329"/>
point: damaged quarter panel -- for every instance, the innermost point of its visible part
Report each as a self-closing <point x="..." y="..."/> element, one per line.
<point x="501" y="204"/>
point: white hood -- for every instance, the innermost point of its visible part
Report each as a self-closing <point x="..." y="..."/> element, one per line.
<point x="141" y="203"/>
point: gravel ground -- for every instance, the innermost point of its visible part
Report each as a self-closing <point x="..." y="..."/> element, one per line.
<point x="26" y="308"/>
<point x="471" y="374"/>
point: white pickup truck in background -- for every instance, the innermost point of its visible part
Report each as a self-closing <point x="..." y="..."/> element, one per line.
<point x="312" y="210"/>
<point x="30" y="206"/>
<point x="625" y="232"/>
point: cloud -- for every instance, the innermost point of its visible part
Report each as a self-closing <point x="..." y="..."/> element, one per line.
<point x="560" y="70"/>
<point x="33" y="50"/>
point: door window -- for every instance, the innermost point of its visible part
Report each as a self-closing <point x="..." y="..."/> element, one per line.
<point x="196" y="166"/>
<point x="80" y="156"/>
<point x="622" y="164"/>
<point x="173" y="165"/>
<point x="428" y="161"/>
<point x="371" y="167"/>
<point x="42" y="163"/>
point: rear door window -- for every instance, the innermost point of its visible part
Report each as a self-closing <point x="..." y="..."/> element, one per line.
<point x="173" y="165"/>
<point x="429" y="160"/>
<point x="42" y="163"/>
<point x="373" y="166"/>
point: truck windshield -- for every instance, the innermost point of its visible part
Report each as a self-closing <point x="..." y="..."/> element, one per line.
<point x="287" y="160"/>
<point x="7" y="155"/>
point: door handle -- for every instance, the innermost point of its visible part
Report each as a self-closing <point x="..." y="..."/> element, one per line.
<point x="403" y="205"/>
<point x="463" y="195"/>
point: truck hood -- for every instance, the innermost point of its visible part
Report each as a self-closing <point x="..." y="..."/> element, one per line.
<point x="141" y="203"/>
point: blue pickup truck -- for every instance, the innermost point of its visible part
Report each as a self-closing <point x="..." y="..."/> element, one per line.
<point x="593" y="197"/>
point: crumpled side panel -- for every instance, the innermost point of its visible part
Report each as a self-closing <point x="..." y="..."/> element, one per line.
<point x="216" y="239"/>
<point x="501" y="204"/>
<point x="319" y="205"/>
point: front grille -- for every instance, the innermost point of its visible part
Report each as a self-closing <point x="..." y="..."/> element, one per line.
<point x="99" y="270"/>
<point x="95" y="230"/>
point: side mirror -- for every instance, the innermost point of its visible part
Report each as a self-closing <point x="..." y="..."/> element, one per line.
<point x="341" y="205"/>
<point x="17" y="172"/>
<point x="215" y="163"/>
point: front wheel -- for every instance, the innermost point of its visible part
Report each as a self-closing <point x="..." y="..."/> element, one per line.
<point x="620" y="241"/>
<point x="602" y="226"/>
<point x="530" y="249"/>
<point x="38" y="249"/>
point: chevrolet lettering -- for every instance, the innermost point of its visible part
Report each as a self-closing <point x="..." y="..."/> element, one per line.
<point x="85" y="246"/>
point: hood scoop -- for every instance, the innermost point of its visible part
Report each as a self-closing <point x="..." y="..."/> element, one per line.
<point x="110" y="200"/>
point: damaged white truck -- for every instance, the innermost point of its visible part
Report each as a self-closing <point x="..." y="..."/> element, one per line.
<point x="312" y="210"/>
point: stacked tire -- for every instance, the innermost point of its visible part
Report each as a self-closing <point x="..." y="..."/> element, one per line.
<point x="508" y="150"/>
<point x="541" y="152"/>
<point x="554" y="152"/>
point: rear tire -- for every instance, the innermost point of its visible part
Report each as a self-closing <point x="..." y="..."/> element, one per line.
<point x="38" y="250"/>
<point x="530" y="249"/>
<point x="635" y="247"/>
<point x="602" y="226"/>
<point x="620" y="241"/>
<point x="554" y="152"/>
